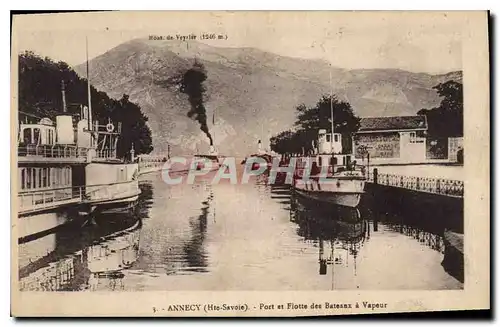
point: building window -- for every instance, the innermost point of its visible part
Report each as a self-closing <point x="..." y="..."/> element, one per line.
<point x="48" y="136"/>
<point x="23" y="178"/>
<point x="413" y="137"/>
<point x="36" y="135"/>
<point x="33" y="179"/>
<point x="336" y="138"/>
<point x="44" y="177"/>
<point x="67" y="176"/>
<point x="40" y="179"/>
<point x="328" y="138"/>
<point x="27" y="136"/>
<point x="28" y="178"/>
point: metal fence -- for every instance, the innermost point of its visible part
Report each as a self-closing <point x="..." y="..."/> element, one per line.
<point x="441" y="186"/>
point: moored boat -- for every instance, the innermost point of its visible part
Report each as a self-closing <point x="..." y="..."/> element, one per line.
<point x="211" y="160"/>
<point x="328" y="177"/>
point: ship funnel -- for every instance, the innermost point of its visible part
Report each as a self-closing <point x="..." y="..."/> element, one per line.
<point x="64" y="129"/>
<point x="63" y="93"/>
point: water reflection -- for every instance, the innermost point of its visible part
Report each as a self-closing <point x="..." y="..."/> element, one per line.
<point x="175" y="232"/>
<point x="241" y="237"/>
<point x="82" y="256"/>
<point x="431" y="240"/>
<point x="98" y="252"/>
<point x="194" y="249"/>
<point x="108" y="257"/>
<point x="340" y="229"/>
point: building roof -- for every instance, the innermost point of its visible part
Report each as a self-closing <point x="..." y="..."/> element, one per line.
<point x="397" y="123"/>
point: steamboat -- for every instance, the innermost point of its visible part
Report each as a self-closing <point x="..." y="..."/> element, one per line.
<point x="68" y="170"/>
<point x="330" y="177"/>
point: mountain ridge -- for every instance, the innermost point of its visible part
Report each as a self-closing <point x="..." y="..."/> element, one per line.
<point x="251" y="93"/>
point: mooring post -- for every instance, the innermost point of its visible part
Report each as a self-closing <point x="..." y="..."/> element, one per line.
<point x="375" y="204"/>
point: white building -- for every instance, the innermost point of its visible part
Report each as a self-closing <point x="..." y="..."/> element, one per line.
<point x="391" y="140"/>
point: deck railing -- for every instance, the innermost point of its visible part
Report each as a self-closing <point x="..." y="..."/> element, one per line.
<point x="43" y="199"/>
<point x="441" y="186"/>
<point x="36" y="200"/>
<point x="52" y="151"/>
<point x="106" y="154"/>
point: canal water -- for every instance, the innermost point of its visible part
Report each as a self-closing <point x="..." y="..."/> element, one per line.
<point x="239" y="237"/>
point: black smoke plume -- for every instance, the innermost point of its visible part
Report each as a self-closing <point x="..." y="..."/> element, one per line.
<point x="192" y="85"/>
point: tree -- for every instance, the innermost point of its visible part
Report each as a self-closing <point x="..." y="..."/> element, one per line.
<point x="282" y="143"/>
<point x="446" y="120"/>
<point x="311" y="120"/>
<point x="134" y="128"/>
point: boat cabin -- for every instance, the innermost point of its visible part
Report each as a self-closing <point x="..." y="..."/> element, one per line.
<point x="43" y="133"/>
<point x="329" y="151"/>
<point x="328" y="144"/>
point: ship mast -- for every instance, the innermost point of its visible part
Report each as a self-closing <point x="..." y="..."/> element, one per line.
<point x="213" y="128"/>
<point x="331" y="105"/>
<point x="88" y="84"/>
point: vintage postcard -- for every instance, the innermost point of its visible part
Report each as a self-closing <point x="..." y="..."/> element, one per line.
<point x="250" y="163"/>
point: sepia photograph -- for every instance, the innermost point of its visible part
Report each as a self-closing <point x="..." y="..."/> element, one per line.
<point x="311" y="153"/>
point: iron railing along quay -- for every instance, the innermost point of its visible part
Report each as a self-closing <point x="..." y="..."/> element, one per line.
<point x="440" y="186"/>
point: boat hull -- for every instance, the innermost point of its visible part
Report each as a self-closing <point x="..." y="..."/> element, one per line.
<point x="116" y="205"/>
<point x="116" y="194"/>
<point x="341" y="199"/>
<point x="337" y="191"/>
<point x="36" y="225"/>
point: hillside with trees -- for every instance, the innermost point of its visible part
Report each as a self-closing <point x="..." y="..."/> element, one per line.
<point x="40" y="96"/>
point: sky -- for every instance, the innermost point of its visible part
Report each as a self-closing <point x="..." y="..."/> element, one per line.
<point x="413" y="41"/>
